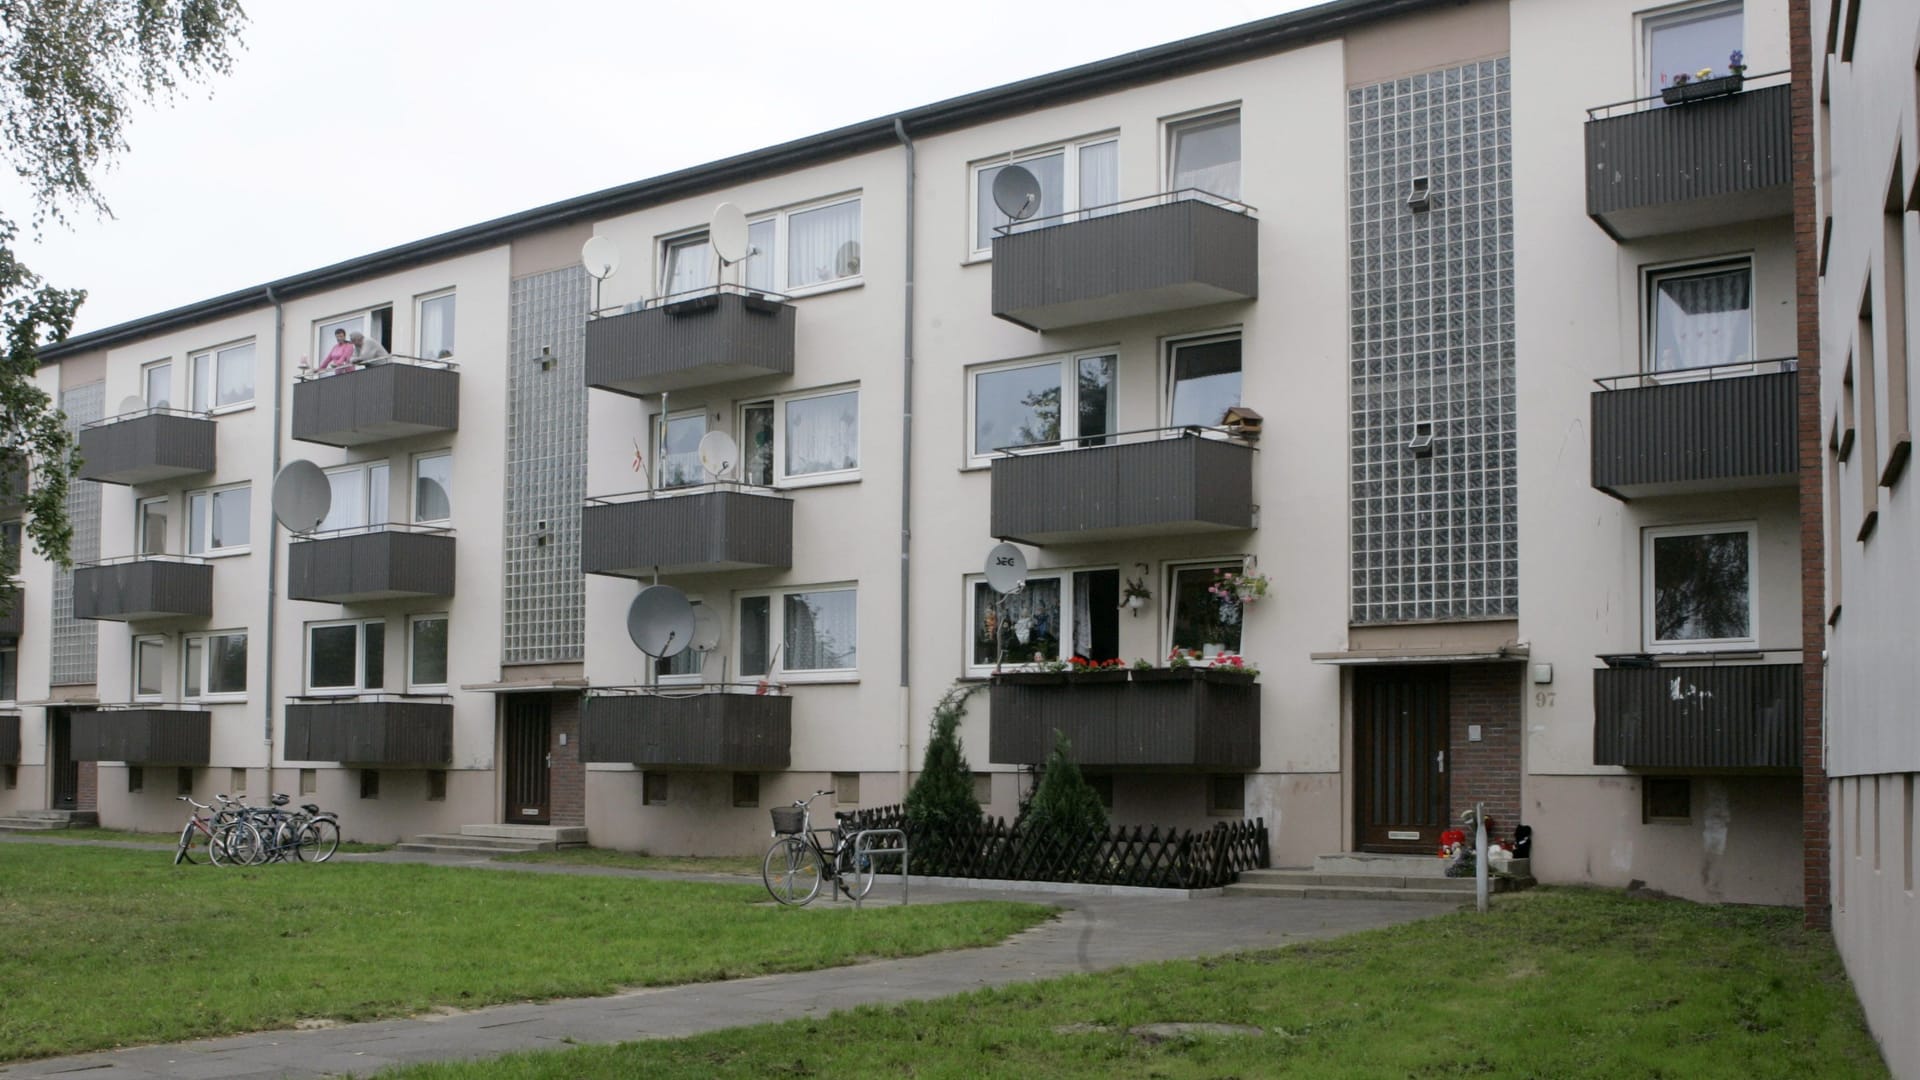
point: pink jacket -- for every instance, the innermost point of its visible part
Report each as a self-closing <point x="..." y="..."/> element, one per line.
<point x="340" y="356"/>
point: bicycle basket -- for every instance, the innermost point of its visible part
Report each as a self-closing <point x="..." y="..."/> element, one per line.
<point x="789" y="819"/>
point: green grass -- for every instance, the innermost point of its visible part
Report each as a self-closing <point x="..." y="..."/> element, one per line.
<point x="108" y="946"/>
<point x="351" y="847"/>
<point x="748" y="865"/>
<point x="1556" y="983"/>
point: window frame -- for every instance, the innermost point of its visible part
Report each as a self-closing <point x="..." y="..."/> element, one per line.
<point x="1649" y="596"/>
<point x="446" y="660"/>
<point x="777" y="635"/>
<point x="682" y="240"/>
<point x="1070" y="181"/>
<point x="204" y="640"/>
<point x="1065" y="575"/>
<point x="420" y="303"/>
<point x="1170" y="586"/>
<point x="211" y="494"/>
<point x="134" y="693"/>
<point x="212" y="355"/>
<point x="778" y="280"/>
<point x="366" y="470"/>
<point x="1652" y="276"/>
<point x="781" y="478"/>
<point x="1171" y="128"/>
<point x="1169" y="370"/>
<point x="683" y="678"/>
<point x="660" y="423"/>
<point x="140" y="507"/>
<point x="323" y="328"/>
<point x="413" y="486"/>
<point x="1651" y="22"/>
<point x="147" y="371"/>
<point x="1069" y="368"/>
<point x="359" y="658"/>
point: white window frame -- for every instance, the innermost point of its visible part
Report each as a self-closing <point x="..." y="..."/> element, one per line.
<point x="779" y="279"/>
<point x="420" y="323"/>
<point x="212" y="552"/>
<point x="777" y="634"/>
<point x="212" y="356"/>
<point x="691" y="678"/>
<point x="413" y="621"/>
<point x="1069" y="180"/>
<point x="140" y="524"/>
<point x="1169" y="586"/>
<point x="359" y="658"/>
<point x="134" y="692"/>
<point x="680" y="240"/>
<point x="1172" y="126"/>
<point x="1651" y="22"/>
<point x="741" y="433"/>
<point x="1168" y="346"/>
<point x="1648" y="598"/>
<point x="366" y="470"/>
<point x="205" y="643"/>
<point x="659" y="425"/>
<point x="15" y="650"/>
<point x="781" y="479"/>
<point x="413" y="487"/>
<point x="1650" y="279"/>
<point x="970" y="584"/>
<point x="147" y="371"/>
<point x="1069" y="367"/>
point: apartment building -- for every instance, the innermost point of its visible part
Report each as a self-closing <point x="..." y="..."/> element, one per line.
<point x="1324" y="298"/>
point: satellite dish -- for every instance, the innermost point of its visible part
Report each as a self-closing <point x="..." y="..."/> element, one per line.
<point x="660" y="620"/>
<point x="718" y="453"/>
<point x="301" y="496"/>
<point x="846" y="261"/>
<point x="1006" y="568"/>
<point x="728" y="233"/>
<point x="706" y="629"/>
<point x="132" y="403"/>
<point x="601" y="256"/>
<point x="1016" y="191"/>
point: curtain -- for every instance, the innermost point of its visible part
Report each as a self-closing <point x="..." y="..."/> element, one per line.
<point x="689" y="266"/>
<point x="436" y="328"/>
<point x="236" y="375"/>
<point x="823" y="434"/>
<point x="823" y="244"/>
<point x="1051" y="173"/>
<point x="759" y="269"/>
<point x="1026" y="623"/>
<point x="1206" y="156"/>
<point x="433" y="488"/>
<point x="348" y="508"/>
<point x="1099" y="174"/>
<point x="1082" y="622"/>
<point x="1703" y="319"/>
<point x="821" y="631"/>
<point x="1691" y="41"/>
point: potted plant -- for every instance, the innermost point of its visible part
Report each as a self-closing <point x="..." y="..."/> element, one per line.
<point x="1232" y="668"/>
<point x="1697" y="85"/>
<point x="1134" y="595"/>
<point x="1082" y="670"/>
<point x="1040" y="673"/>
<point x="1179" y="669"/>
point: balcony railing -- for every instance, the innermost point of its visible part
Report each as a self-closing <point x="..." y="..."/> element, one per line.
<point x="1166" y="252"/>
<point x="143" y="733"/>
<point x="697" y="338"/>
<point x="695" y="727"/>
<point x="379" y="562"/>
<point x="371" y="729"/>
<point x="1719" y="161"/>
<point x="705" y="529"/>
<point x="1180" y="718"/>
<point x="1721" y="428"/>
<point x="392" y="398"/>
<point x="1690" y="716"/>
<point x="1155" y="482"/>
<point x="147" y="446"/>
<point x="143" y="587"/>
<point x="9" y="738"/>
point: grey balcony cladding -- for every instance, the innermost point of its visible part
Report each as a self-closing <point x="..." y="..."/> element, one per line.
<point x="143" y="449"/>
<point x="14" y="619"/>
<point x="680" y="534"/>
<point x="696" y="342"/>
<point x="153" y="589"/>
<point x="370" y="732"/>
<point x="1691" y="437"/>
<point x="1744" y="716"/>
<point x="1195" y="723"/>
<point x="1692" y="166"/>
<point x="1135" y="262"/>
<point x="1153" y="488"/>
<point x="370" y="566"/>
<point x="699" y="731"/>
<point x="9" y="738"/>
<point x="143" y="736"/>
<point x="373" y="404"/>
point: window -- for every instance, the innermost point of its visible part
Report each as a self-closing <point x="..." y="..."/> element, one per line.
<point x="151" y="521"/>
<point x="11" y="537"/>
<point x="223" y="378"/>
<point x="218" y="522"/>
<point x="1035" y="403"/>
<point x="1683" y="42"/>
<point x="183" y="780"/>
<point x="746" y="789"/>
<point x="1078" y="176"/>
<point x="347" y="657"/>
<point x="688" y="265"/>
<point x="817" y="631"/>
<point x="1027" y="627"/>
<point x="983" y="788"/>
<point x="427" y="652"/>
<point x="309" y="781"/>
<point x="9" y="777"/>
<point x="817" y="437"/>
<point x="1102" y="785"/>
<point x="136" y="779"/>
<point x="237" y="781"/>
<point x="436" y="327"/>
<point x="846" y="789"/>
<point x="685" y="665"/>
<point x="756" y="443"/>
<point x="213" y="664"/>
<point x="1701" y="316"/>
<point x="433" y="486"/>
<point x="369" y="783"/>
<point x="1666" y="800"/>
<point x="437" y="785"/>
<point x="823" y="245"/>
<point x="679" y="449"/>
<point x="821" y="242"/>
<point x="1699" y="586"/>
<point x="156" y="384"/>
<point x="1226" y="795"/>
<point x="1204" y="154"/>
<point x="375" y="325"/>
<point x="149" y="653"/>
<point x="1203" y="380"/>
<point x="1201" y="621"/>
<point x="10" y="672"/>
<point x="654" y="788"/>
<point x="359" y="496"/>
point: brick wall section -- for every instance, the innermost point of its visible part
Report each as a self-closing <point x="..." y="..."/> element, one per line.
<point x="1489" y="770"/>
<point x="568" y="777"/>
<point x="87" y="792"/>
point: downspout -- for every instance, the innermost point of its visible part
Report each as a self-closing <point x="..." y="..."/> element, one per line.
<point x="906" y="486"/>
<point x="273" y="530"/>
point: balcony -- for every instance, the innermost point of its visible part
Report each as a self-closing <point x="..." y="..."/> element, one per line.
<point x="1733" y="716"/>
<point x="1168" y="252"/>
<point x="687" y="531"/>
<point x="1721" y="428"/>
<point x="143" y="587"/>
<point x="1173" y="718"/>
<point x="9" y="738"/>
<point x="1168" y="482"/>
<point x="384" y="562"/>
<point x="374" y="729"/>
<point x="143" y="734"/>
<point x="1653" y="171"/>
<point x="691" y="339"/>
<point x="147" y="446"/>
<point x="392" y="399"/>
<point x="707" y="727"/>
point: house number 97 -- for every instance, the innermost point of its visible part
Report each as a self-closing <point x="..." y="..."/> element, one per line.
<point x="1543" y="698"/>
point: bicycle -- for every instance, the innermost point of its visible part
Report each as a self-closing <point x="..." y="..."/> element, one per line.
<point x="797" y="862"/>
<point x="307" y="834"/>
<point x="227" y="840"/>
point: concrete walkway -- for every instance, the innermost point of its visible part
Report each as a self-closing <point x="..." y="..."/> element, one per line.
<point x="1092" y="933"/>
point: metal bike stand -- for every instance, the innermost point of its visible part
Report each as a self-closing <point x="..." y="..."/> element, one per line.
<point x="863" y="842"/>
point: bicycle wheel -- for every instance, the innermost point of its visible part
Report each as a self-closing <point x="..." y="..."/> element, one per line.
<point x="234" y="844"/>
<point x="286" y="839"/>
<point x="318" y="841"/>
<point x="853" y="872"/>
<point x="792" y="871"/>
<point x="184" y="853"/>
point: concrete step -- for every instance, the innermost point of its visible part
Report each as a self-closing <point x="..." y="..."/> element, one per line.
<point x="499" y="845"/>
<point x="29" y="825"/>
<point x="1366" y="862"/>
<point x="42" y="820"/>
<point x="459" y="849"/>
<point x="1370" y="881"/>
<point x="560" y="835"/>
<point x="1350" y="892"/>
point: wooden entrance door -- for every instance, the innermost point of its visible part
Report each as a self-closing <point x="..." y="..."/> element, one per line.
<point x="66" y="771"/>
<point x="528" y="759"/>
<point x="1400" y="758"/>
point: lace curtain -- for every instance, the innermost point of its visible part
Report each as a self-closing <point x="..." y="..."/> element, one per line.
<point x="1703" y="319"/>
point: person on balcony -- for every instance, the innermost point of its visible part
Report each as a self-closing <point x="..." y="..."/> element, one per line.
<point x="365" y="350"/>
<point x="340" y="357"/>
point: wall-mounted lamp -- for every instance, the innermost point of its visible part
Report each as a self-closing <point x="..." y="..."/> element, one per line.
<point x="1134" y="594"/>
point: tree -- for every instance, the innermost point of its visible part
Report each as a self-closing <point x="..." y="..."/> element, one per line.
<point x="1064" y="804"/>
<point x="71" y="72"/>
<point x="942" y="795"/>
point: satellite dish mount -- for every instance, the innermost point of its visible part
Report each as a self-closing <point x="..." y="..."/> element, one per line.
<point x="601" y="256"/>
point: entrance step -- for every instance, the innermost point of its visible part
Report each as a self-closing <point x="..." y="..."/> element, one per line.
<point x="27" y="821"/>
<point x="486" y="841"/>
<point x="561" y="835"/>
<point x="1366" y="876"/>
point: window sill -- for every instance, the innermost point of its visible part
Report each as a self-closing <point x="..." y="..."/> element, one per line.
<point x="1742" y="651"/>
<point x="805" y="678"/>
<point x="439" y="690"/>
<point x="223" y="553"/>
<point x="977" y="259"/>
<point x="826" y="480"/>
<point x="216" y="699"/>
<point x="224" y="410"/>
<point x="825" y="287"/>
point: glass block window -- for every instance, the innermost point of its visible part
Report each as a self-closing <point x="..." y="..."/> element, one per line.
<point x="545" y="596"/>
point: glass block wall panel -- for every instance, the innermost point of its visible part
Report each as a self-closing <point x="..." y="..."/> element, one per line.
<point x="1434" y="537"/>
<point x="545" y="597"/>
<point x="74" y="648"/>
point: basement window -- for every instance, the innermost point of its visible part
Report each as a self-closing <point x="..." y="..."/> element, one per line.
<point x="1667" y="800"/>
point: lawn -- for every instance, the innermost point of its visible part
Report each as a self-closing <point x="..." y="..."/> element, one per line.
<point x="1554" y="983"/>
<point x="747" y="865"/>
<point x="111" y="946"/>
<point x="167" y="838"/>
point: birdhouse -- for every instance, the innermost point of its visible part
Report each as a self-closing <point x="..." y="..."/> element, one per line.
<point x="1242" y="421"/>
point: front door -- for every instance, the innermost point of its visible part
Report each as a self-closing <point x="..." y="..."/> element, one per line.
<point x="528" y="760"/>
<point x="1400" y="758"/>
<point x="66" y="771"/>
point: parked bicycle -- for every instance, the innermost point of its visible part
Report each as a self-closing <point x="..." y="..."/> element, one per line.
<point x="798" y="861"/>
<point x="306" y="834"/>
<point x="222" y="837"/>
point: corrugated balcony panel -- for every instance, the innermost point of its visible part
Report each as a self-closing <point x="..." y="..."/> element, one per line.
<point x="1735" y="716"/>
<point x="146" y="448"/>
<point x="1182" y="254"/>
<point x="1704" y="435"/>
<point x="143" y="589"/>
<point x="13" y="620"/>
<point x="377" y="565"/>
<point x="695" y="731"/>
<point x="377" y="403"/>
<point x="353" y="731"/>
<point x="9" y="738"/>
<point x="697" y="532"/>
<point x="1206" y="721"/>
<point x="702" y="340"/>
<point x="1693" y="166"/>
<point x="1159" y="487"/>
<point x="143" y="736"/>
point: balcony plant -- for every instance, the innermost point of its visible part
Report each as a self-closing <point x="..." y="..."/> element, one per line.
<point x="1083" y="670"/>
<point x="1043" y="673"/>
<point x="1695" y="86"/>
<point x="1134" y="595"/>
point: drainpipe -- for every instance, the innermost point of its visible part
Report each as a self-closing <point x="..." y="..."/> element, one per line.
<point x="906" y="486"/>
<point x="273" y="529"/>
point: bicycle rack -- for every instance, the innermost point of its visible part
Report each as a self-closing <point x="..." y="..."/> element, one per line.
<point x="863" y="844"/>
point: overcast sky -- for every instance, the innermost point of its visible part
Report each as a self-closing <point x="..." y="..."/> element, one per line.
<point x="358" y="125"/>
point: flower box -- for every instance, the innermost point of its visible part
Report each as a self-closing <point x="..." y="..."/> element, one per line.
<point x="1107" y="675"/>
<point x="1031" y="678"/>
<point x="1167" y="674"/>
<point x="1700" y="89"/>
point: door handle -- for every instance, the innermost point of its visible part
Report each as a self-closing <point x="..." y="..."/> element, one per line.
<point x="1440" y="761"/>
